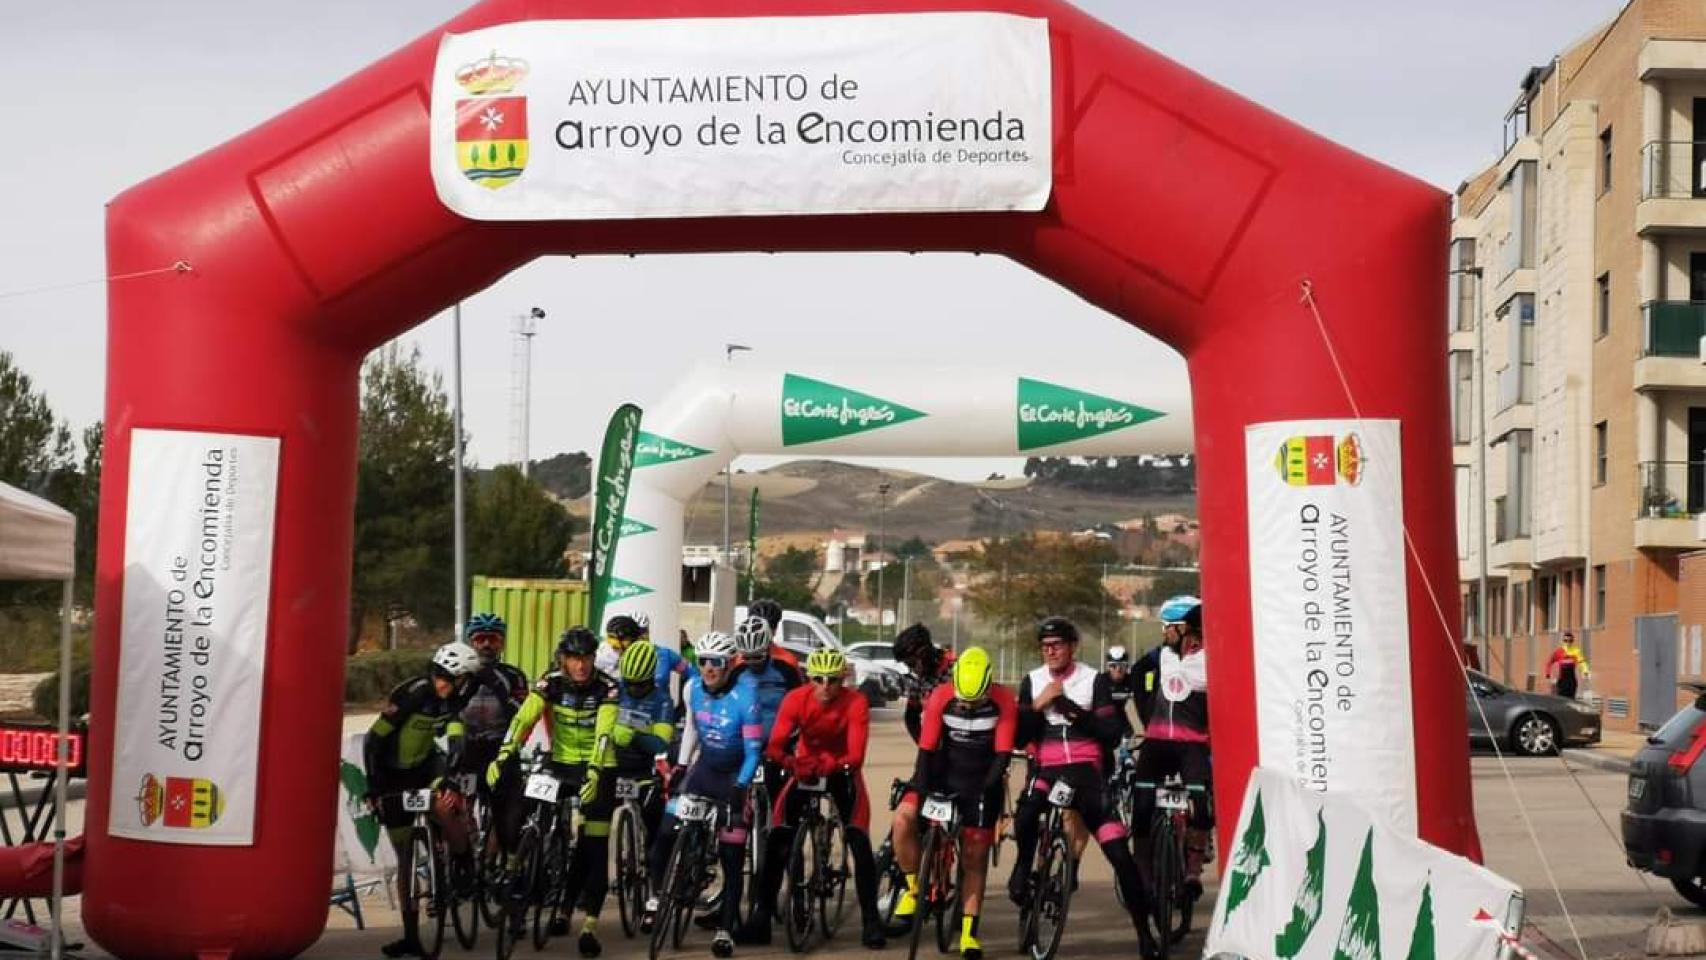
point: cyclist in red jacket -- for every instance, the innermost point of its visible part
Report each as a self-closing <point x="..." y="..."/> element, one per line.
<point x="832" y="724"/>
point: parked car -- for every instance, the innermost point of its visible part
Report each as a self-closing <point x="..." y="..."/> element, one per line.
<point x="891" y="672"/>
<point x="1664" y="818"/>
<point x="802" y="633"/>
<point x="1532" y="724"/>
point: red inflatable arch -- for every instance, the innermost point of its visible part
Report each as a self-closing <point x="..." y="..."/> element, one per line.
<point x="1177" y="206"/>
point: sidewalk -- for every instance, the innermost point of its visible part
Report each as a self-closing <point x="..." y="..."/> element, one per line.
<point x="1613" y="753"/>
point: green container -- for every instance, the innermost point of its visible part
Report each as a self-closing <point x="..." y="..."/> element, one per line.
<point x="537" y="611"/>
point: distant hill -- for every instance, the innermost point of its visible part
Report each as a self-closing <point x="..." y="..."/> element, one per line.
<point x="818" y="496"/>
<point x="566" y="476"/>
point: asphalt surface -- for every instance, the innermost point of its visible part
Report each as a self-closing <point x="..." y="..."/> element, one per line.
<point x="1539" y="819"/>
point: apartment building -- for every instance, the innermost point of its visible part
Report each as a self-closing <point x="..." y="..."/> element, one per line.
<point x="1578" y="370"/>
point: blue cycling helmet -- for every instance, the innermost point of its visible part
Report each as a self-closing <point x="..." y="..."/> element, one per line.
<point x="485" y="623"/>
<point x="1176" y="608"/>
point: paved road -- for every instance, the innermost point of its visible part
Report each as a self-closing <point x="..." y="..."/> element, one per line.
<point x="1610" y="903"/>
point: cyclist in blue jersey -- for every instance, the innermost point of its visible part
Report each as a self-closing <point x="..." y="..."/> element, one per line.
<point x="645" y="724"/>
<point x="722" y="725"/>
<point x="622" y="631"/>
<point x="771" y="676"/>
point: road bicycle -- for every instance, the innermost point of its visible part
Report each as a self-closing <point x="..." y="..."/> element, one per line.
<point x="1053" y="875"/>
<point x="1169" y="904"/>
<point x="632" y="883"/>
<point x="891" y="879"/>
<point x="691" y="870"/>
<point x="428" y="873"/>
<point x="815" y="897"/>
<point x="940" y="875"/>
<point x="538" y="879"/>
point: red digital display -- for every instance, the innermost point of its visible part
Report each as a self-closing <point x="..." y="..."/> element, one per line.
<point x="28" y="747"/>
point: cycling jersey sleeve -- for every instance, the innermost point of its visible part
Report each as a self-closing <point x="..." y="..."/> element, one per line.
<point x="858" y="731"/>
<point x="689" y="728"/>
<point x="604" y="750"/>
<point x="791" y="676"/>
<point x="752" y="737"/>
<point x="929" y="735"/>
<point x="399" y="706"/>
<point x="531" y="709"/>
<point x="1030" y="721"/>
<point x="787" y="719"/>
<point x="1099" y="721"/>
<point x="1006" y="720"/>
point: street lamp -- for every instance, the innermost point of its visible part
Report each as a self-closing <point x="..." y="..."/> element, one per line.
<point x="1480" y="458"/>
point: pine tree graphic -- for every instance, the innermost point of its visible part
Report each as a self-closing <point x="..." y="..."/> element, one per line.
<point x="1248" y="862"/>
<point x="1422" y="940"/>
<point x="1359" y="937"/>
<point x="1306" y="909"/>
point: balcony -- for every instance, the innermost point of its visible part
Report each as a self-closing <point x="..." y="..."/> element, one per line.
<point x="1670" y="345"/>
<point x="1671" y="493"/>
<point x="1673" y="188"/>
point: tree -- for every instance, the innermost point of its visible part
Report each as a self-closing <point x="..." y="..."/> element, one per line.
<point x="788" y="580"/>
<point x="793" y="565"/>
<point x="35" y="449"/>
<point x="403" y="499"/>
<point x="1171" y="583"/>
<point x="1020" y="580"/>
<point x="515" y="528"/>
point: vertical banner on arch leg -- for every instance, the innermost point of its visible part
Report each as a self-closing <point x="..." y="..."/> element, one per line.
<point x="1328" y="613"/>
<point x="198" y="555"/>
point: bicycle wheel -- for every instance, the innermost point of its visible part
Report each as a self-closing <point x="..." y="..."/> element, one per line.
<point x="947" y="899"/>
<point x="425" y="890"/>
<point x="1054" y="897"/>
<point x="926" y="881"/>
<point x="630" y="869"/>
<point x="891" y="883"/>
<point x="489" y="891"/>
<point x="670" y="905"/>
<point x="517" y="890"/>
<point x="1164" y="872"/>
<point x="834" y="869"/>
<point x="798" y="897"/>
<point x="689" y="880"/>
<point x="465" y="910"/>
<point x="553" y="891"/>
<point x="757" y="834"/>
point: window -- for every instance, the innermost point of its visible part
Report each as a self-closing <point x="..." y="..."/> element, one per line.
<point x="1462" y="396"/>
<point x="1520" y="186"/>
<point x="797" y="636"/>
<point x="1516" y="380"/>
<point x="1599" y="595"/>
<point x="1517" y="505"/>
<point x="1602" y="305"/>
<point x="1461" y="472"/>
<point x="1463" y="284"/>
<point x="1600" y="443"/>
<point x="1605" y="161"/>
<point x="1519" y="609"/>
<point x="1546" y="602"/>
<point x="1495" y="611"/>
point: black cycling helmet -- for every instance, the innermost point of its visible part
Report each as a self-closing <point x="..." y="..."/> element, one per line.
<point x="1193" y="621"/>
<point x="913" y="643"/>
<point x="623" y="628"/>
<point x="769" y="610"/>
<point x="577" y="642"/>
<point x="1057" y="627"/>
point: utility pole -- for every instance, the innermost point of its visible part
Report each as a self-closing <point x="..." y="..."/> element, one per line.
<point x="882" y="564"/>
<point x="525" y="327"/>
<point x="905" y="593"/>
<point x="1102" y="590"/>
<point x="460" y="564"/>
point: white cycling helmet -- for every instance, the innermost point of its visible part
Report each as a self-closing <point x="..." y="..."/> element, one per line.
<point x="715" y="644"/>
<point x="456" y="659"/>
<point x="645" y="623"/>
<point x="753" y="635"/>
<point x="1117" y="655"/>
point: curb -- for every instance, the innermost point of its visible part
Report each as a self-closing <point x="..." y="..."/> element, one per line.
<point x="1593" y="758"/>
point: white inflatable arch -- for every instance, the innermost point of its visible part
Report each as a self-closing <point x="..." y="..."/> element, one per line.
<point x="718" y="412"/>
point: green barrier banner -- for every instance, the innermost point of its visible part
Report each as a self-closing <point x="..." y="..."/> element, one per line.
<point x="615" y="467"/>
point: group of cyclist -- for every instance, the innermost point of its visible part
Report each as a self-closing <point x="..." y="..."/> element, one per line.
<point x="745" y="708"/>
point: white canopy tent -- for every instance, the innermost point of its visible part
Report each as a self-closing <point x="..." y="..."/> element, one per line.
<point x="38" y="541"/>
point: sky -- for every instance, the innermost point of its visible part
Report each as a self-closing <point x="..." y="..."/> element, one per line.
<point x="123" y="90"/>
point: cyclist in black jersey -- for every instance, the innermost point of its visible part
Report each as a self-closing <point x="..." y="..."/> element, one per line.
<point x="495" y="693"/>
<point x="400" y="754"/>
<point x="928" y="666"/>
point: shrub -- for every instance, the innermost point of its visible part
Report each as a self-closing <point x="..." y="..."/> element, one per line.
<point x="370" y="677"/>
<point x="45" y="698"/>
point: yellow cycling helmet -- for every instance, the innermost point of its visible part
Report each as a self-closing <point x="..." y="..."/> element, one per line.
<point x="826" y="662"/>
<point x="972" y="674"/>
<point x="639" y="662"/>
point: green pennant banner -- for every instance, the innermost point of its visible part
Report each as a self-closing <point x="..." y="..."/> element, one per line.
<point x="652" y="450"/>
<point x="1050" y="414"/>
<point x="813" y="410"/>
<point x="615" y="470"/>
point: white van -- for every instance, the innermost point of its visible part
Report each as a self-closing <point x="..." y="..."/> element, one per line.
<point x="802" y="633"/>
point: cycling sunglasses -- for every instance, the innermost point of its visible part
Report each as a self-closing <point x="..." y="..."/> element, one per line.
<point x="715" y="663"/>
<point x="827" y="681"/>
<point x="1050" y="644"/>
